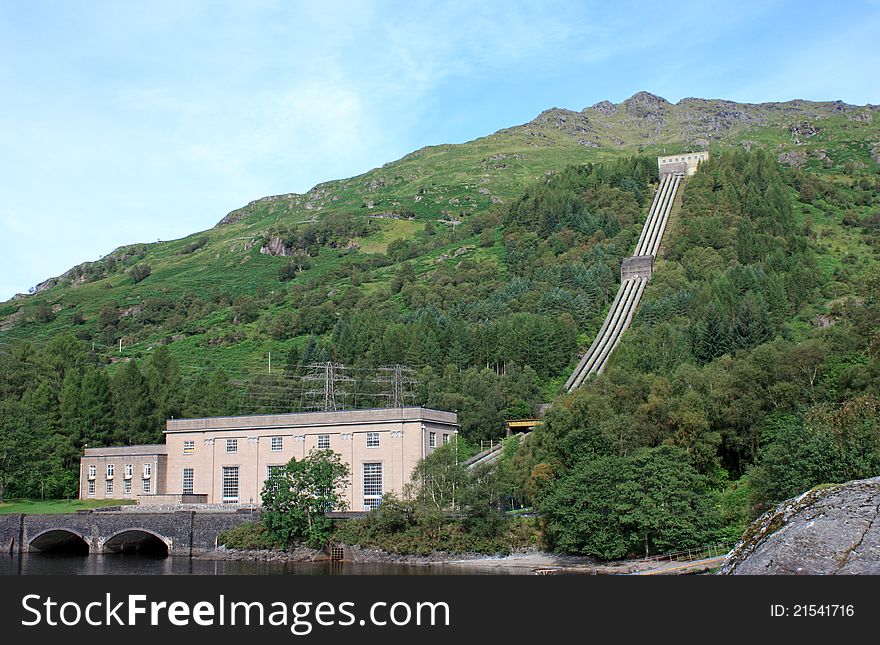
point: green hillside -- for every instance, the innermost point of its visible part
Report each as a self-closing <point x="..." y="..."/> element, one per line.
<point x="440" y="184"/>
<point x="750" y="371"/>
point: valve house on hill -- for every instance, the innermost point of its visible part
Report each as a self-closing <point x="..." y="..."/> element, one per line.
<point x="684" y="164"/>
<point x="226" y="460"/>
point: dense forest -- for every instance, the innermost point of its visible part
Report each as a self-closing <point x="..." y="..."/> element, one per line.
<point x="720" y="400"/>
<point x="751" y="371"/>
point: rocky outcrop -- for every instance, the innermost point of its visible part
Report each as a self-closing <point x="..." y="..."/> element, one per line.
<point x="792" y="158"/>
<point x="9" y="323"/>
<point x="567" y="121"/>
<point x="832" y="529"/>
<point x="802" y="131"/>
<point x="875" y="152"/>
<point x="645" y="105"/>
<point x="240" y="213"/>
<point x="275" y="247"/>
<point x="606" y="108"/>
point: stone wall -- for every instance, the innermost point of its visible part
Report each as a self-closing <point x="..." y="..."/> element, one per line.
<point x="185" y="532"/>
<point x="206" y="527"/>
<point x="673" y="169"/>
<point x="10" y="532"/>
<point x="169" y="499"/>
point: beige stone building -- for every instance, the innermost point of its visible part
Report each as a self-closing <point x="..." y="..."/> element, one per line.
<point x="684" y="164"/>
<point x="123" y="472"/>
<point x="226" y="460"/>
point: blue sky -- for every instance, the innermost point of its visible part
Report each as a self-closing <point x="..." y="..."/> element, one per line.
<point x="126" y="122"/>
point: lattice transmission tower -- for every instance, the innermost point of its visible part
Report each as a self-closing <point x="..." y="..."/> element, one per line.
<point x="329" y="374"/>
<point x="402" y="381"/>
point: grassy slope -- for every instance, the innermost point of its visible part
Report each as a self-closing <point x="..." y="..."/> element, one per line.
<point x="53" y="506"/>
<point x="442" y="183"/>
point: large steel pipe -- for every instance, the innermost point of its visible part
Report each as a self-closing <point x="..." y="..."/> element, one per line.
<point x="601" y="332"/>
<point x="650" y="223"/>
<point x="654" y="245"/>
<point x="613" y="328"/>
<point x="620" y="327"/>
<point x="626" y="324"/>
<point x="599" y="343"/>
<point x="658" y="216"/>
<point x="651" y="211"/>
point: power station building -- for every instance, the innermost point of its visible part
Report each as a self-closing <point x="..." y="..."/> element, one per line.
<point x="226" y="460"/>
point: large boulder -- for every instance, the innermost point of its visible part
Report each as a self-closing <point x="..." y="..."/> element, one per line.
<point x="832" y="529"/>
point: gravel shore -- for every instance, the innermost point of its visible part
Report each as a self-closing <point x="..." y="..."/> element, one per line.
<point x="526" y="562"/>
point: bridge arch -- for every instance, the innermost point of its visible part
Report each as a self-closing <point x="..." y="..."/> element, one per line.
<point x="137" y="540"/>
<point x="59" y="540"/>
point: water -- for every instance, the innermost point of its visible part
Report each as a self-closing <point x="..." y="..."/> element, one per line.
<point x="122" y="564"/>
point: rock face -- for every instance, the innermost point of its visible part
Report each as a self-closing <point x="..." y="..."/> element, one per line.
<point x="792" y="158"/>
<point x="645" y="104"/>
<point x="275" y="247"/>
<point x="604" y="107"/>
<point x="827" y="530"/>
<point x="802" y="130"/>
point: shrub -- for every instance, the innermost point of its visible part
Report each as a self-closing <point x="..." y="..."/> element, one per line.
<point x="251" y="535"/>
<point x="194" y="246"/>
<point x="297" y="265"/>
<point x="139" y="272"/>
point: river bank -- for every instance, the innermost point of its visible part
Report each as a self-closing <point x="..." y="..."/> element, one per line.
<point x="525" y="562"/>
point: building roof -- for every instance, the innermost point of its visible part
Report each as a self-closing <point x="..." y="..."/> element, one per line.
<point x="128" y="451"/>
<point x="312" y="419"/>
<point x="683" y="156"/>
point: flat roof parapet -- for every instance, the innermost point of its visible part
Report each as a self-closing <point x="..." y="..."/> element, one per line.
<point x="303" y="419"/>
<point x="133" y="451"/>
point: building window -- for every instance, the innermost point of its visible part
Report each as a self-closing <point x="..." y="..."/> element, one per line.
<point x="108" y="487"/>
<point x="189" y="447"/>
<point x="93" y="472"/>
<point x="445" y="439"/>
<point x="126" y="487"/>
<point x="110" y="470"/>
<point x="273" y="471"/>
<point x="372" y="485"/>
<point x="432" y="439"/>
<point x="323" y="441"/>
<point x="187" y="481"/>
<point x="147" y="487"/>
<point x="232" y="445"/>
<point x="230" y="484"/>
<point x="372" y="440"/>
<point x="91" y="488"/>
<point x="148" y="470"/>
<point x="277" y="443"/>
<point x="129" y="470"/>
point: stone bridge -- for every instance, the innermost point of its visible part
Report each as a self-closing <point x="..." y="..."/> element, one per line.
<point x="170" y="533"/>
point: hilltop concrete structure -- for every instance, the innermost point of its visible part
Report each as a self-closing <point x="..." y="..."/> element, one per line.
<point x="226" y="460"/>
<point x="684" y="164"/>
